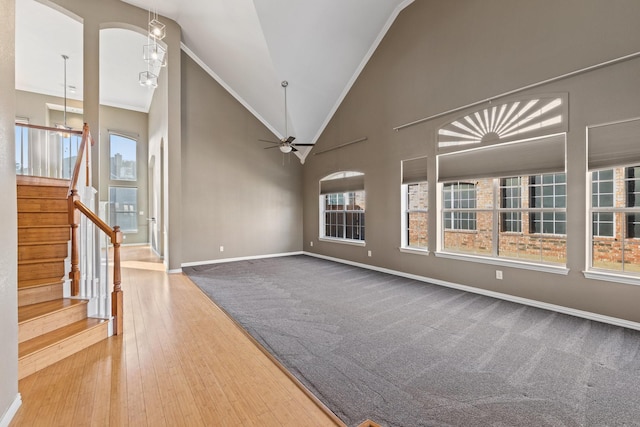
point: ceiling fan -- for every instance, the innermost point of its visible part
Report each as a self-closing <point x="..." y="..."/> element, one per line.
<point x="286" y="145"/>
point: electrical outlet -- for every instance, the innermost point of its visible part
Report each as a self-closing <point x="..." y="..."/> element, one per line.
<point x="311" y="243"/>
<point x="369" y="253"/>
<point x="499" y="274"/>
<point x="221" y="248"/>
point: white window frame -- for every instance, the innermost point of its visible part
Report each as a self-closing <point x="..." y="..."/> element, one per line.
<point x="133" y="138"/>
<point x="135" y="212"/>
<point x="515" y="212"/>
<point x="600" y="209"/>
<point x="497" y="212"/>
<point x="347" y="198"/>
<point x="406" y="211"/>
<point x="457" y="211"/>
<point x="554" y="210"/>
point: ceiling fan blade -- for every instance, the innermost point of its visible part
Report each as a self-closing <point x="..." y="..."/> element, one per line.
<point x="303" y="145"/>
<point x="290" y="139"/>
<point x="270" y="142"/>
<point x="293" y="149"/>
<point x="275" y="146"/>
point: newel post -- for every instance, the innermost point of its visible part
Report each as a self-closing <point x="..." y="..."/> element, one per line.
<point x="116" y="295"/>
<point x="74" y="222"/>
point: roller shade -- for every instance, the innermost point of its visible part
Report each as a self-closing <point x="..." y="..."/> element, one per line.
<point x="536" y="156"/>
<point x="342" y="185"/>
<point x="414" y="170"/>
<point x="615" y="144"/>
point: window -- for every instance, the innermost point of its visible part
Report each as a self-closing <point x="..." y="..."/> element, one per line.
<point x="548" y="194"/>
<point x="416" y="215"/>
<point x="515" y="154"/>
<point x="615" y="243"/>
<point x="123" y="200"/>
<point x="22" y="147"/>
<point x="344" y="215"/>
<point x="415" y="203"/>
<point x="602" y="196"/>
<point x="613" y="156"/>
<point x="511" y="198"/>
<point x="342" y="204"/>
<point x="123" y="164"/>
<point x="512" y="120"/>
<point x="632" y="184"/>
<point x="123" y="208"/>
<point x="458" y="199"/>
<point x="506" y="231"/>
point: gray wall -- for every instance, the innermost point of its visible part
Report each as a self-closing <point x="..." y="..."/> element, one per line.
<point x="158" y="135"/>
<point x="235" y="194"/>
<point x="98" y="14"/>
<point x="8" y="216"/>
<point x="440" y="55"/>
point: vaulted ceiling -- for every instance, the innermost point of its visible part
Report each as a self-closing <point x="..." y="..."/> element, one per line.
<point x="248" y="46"/>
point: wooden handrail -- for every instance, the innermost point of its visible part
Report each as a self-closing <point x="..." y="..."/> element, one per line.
<point x="49" y="128"/>
<point x="86" y="136"/>
<point x="95" y="219"/>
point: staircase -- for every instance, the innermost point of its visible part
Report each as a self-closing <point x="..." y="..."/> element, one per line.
<point x="51" y="327"/>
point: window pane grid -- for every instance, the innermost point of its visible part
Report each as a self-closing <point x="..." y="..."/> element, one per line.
<point x="416" y="215"/>
<point x="123" y="163"/>
<point x="510" y="198"/>
<point x="123" y="208"/>
<point x="344" y="215"/>
<point x="512" y="219"/>
<point x="459" y="204"/>
<point x="615" y="239"/>
<point x="548" y="194"/>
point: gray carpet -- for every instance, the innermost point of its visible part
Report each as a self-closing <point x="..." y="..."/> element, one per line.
<point x="407" y="353"/>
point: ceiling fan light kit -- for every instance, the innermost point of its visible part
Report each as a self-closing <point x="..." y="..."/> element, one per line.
<point x="285" y="148"/>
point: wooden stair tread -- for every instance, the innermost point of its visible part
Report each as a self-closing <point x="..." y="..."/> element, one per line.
<point x="54" y="337"/>
<point x="40" y="261"/>
<point x="45" y="226"/>
<point x="34" y="311"/>
<point x="36" y="283"/>
<point x="42" y="181"/>
<point x="44" y="243"/>
<point x="42" y="204"/>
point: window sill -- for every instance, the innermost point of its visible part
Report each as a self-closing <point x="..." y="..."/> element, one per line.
<point x="343" y="241"/>
<point x="545" y="268"/>
<point x="414" y="251"/>
<point x="612" y="277"/>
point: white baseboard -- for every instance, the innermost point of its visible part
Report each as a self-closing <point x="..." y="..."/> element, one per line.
<point x="247" y="258"/>
<point x="11" y="411"/>
<point x="525" y="301"/>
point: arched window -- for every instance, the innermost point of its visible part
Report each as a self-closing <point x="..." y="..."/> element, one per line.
<point x="501" y="174"/>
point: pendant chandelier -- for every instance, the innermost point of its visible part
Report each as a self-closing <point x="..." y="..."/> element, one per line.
<point x="153" y="53"/>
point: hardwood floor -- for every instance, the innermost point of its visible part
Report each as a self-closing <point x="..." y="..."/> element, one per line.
<point x="181" y="362"/>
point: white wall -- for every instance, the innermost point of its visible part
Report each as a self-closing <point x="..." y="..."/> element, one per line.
<point x="9" y="398"/>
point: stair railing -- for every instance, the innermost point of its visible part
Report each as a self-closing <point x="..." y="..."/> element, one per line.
<point x="46" y="151"/>
<point x="84" y="250"/>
